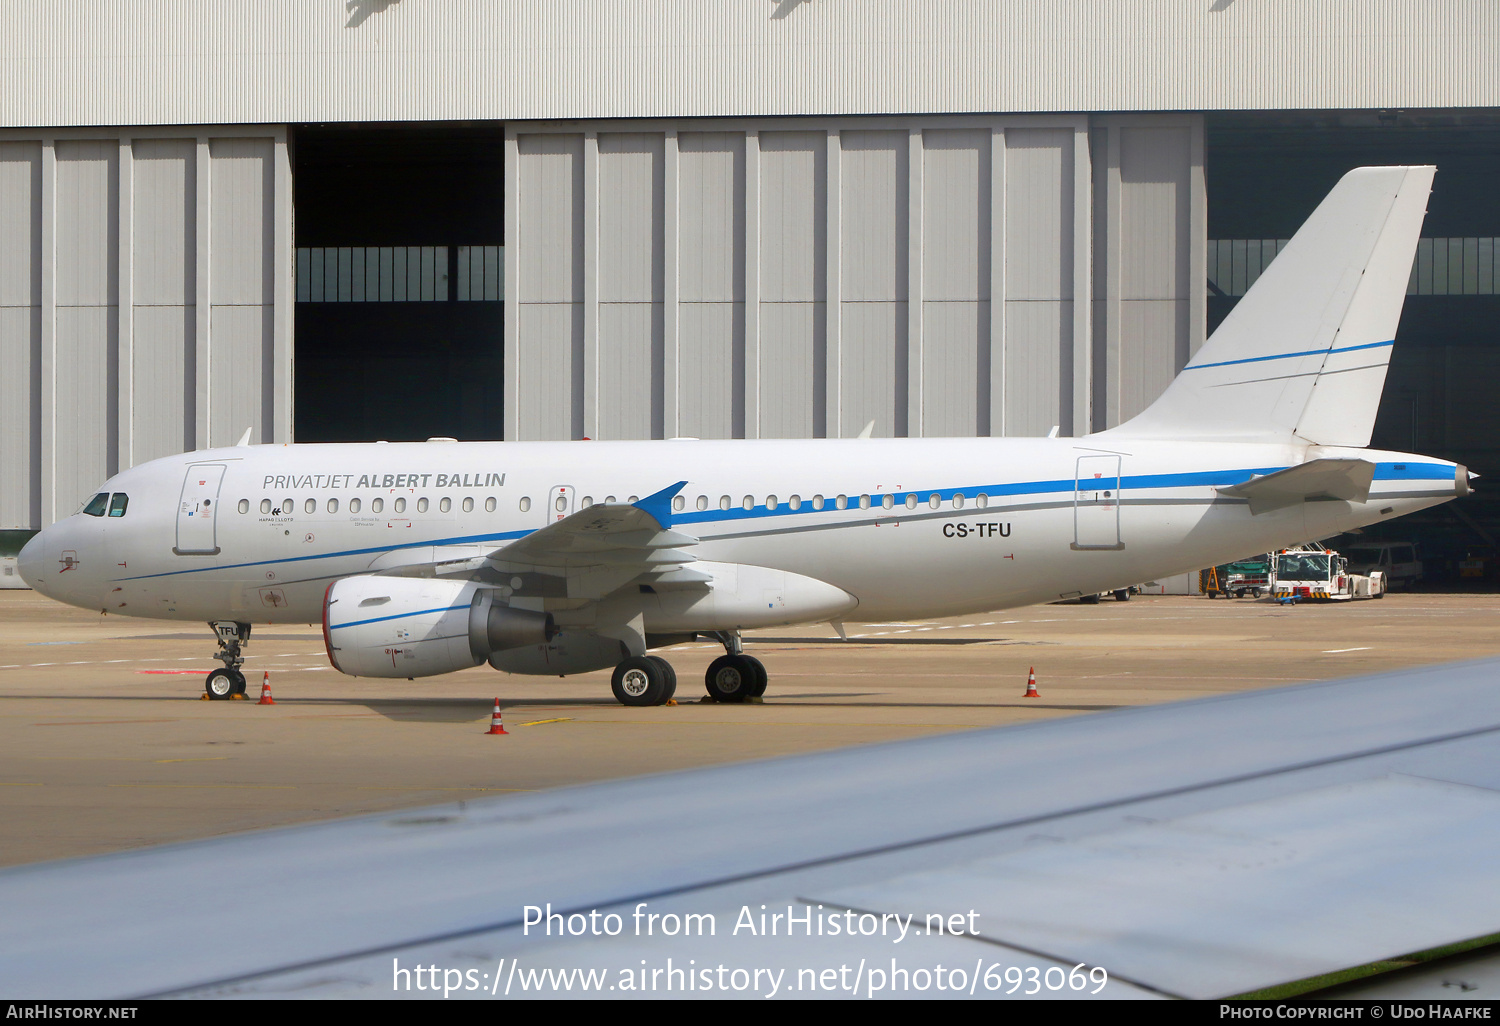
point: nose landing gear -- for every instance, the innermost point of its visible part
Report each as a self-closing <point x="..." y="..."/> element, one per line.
<point x="228" y="682"/>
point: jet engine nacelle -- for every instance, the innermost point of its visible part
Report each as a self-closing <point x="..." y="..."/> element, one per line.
<point x="571" y="651"/>
<point x="378" y="626"/>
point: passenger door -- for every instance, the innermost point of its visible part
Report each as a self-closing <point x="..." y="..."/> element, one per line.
<point x="198" y="510"/>
<point x="1096" y="503"/>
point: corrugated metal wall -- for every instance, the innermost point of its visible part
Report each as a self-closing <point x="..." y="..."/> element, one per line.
<point x="1150" y="265"/>
<point x="136" y="62"/>
<point x="145" y="306"/>
<point x="800" y="279"/>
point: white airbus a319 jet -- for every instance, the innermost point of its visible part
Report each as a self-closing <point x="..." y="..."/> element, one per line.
<point x="566" y="557"/>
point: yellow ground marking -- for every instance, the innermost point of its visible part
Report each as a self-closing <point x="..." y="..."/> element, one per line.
<point x="214" y="758"/>
<point x="538" y="723"/>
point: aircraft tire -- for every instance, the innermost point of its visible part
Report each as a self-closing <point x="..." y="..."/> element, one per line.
<point x="761" y="678"/>
<point x="671" y="675"/>
<point x="1123" y="595"/>
<point x="730" y="678"/>
<point x="639" y="680"/>
<point x="239" y="682"/>
<point x="219" y="685"/>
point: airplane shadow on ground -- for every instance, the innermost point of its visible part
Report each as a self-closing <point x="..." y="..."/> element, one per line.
<point x="751" y="643"/>
<point x="470" y="710"/>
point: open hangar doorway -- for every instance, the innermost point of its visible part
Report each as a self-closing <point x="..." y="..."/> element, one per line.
<point x="399" y="232"/>
<point x="1265" y="172"/>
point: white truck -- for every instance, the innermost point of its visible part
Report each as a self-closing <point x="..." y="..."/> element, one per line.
<point x="1322" y="575"/>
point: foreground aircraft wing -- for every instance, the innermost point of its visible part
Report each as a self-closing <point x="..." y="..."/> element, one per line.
<point x="1198" y="849"/>
<point x="1347" y="479"/>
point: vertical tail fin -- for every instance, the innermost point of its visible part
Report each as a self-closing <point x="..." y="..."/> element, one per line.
<point x="1303" y="356"/>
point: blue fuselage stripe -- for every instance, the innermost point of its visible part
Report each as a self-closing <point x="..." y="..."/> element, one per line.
<point x="1289" y="356"/>
<point x="1195" y="479"/>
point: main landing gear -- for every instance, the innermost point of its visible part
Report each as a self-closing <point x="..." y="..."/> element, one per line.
<point x="734" y="676"/>
<point x="228" y="682"/>
<point x="644" y="680"/>
<point x="650" y="680"/>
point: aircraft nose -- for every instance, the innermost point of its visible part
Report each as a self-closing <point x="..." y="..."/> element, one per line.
<point x="31" y="560"/>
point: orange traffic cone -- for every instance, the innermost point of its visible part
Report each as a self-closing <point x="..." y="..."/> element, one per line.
<point x="497" y="725"/>
<point x="265" y="690"/>
<point x="1031" y="691"/>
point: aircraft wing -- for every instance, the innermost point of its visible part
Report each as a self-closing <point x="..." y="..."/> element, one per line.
<point x="1347" y="479"/>
<point x="595" y="550"/>
<point x="1197" y="849"/>
<point x="612" y="533"/>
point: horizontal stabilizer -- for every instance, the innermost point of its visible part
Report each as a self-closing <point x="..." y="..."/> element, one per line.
<point x="1311" y="481"/>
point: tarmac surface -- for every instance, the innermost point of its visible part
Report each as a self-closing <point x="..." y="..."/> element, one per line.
<point x="105" y="745"/>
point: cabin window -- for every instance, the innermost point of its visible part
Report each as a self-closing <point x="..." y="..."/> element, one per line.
<point x="817" y="502"/>
<point x="445" y="504"/>
<point x="770" y="502"/>
<point x="489" y="504"/>
<point x="333" y="505"/>
<point x="608" y="499"/>
<point x="795" y="502"/>
<point x="97" y="505"/>
<point x="525" y="504"/>
<point x="633" y="499"/>
<point x="244" y="505"/>
<point x="911" y="500"/>
<point x="287" y="507"/>
<point x="265" y="505"/>
<point x="422" y="504"/>
<point x="561" y="503"/>
<point x="468" y="504"/>
<point x="982" y="500"/>
<point x="934" y="500"/>
<point x="888" y="501"/>
<point x="376" y="505"/>
<point x="958" y="501"/>
<point x="354" y="505"/>
<point x="311" y="505"/>
<point x="864" y="502"/>
<point x="748" y="502"/>
<point x="585" y="502"/>
<point x="723" y="502"/>
<point x="841" y="502"/>
<point x="400" y="504"/>
<point x="679" y="503"/>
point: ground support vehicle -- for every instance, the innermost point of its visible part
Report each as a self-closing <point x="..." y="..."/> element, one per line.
<point x="1396" y="561"/>
<point x="1322" y="575"/>
<point x="1239" y="578"/>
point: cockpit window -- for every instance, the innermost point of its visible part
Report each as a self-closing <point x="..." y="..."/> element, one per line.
<point x="97" y="505"/>
<point x="118" y="503"/>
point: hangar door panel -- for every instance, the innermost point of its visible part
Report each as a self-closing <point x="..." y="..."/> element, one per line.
<point x="198" y="511"/>
<point x="1096" y="503"/>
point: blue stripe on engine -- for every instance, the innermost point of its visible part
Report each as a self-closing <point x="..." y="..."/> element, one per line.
<point x="395" y="616"/>
<point x="1193" y="479"/>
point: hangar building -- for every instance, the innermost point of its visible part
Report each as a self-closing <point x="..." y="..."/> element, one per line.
<point x="542" y="219"/>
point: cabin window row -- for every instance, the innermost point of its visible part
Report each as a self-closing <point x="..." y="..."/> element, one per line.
<point x="909" y="500"/>
<point x="287" y="506"/>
